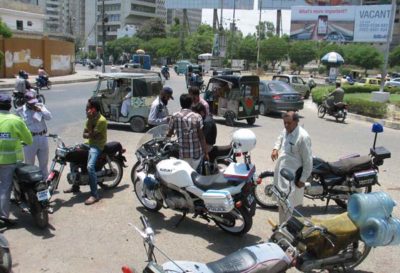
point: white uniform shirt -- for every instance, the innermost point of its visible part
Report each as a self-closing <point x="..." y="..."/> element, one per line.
<point x="158" y="113"/>
<point x="35" y="121"/>
<point x="294" y="152"/>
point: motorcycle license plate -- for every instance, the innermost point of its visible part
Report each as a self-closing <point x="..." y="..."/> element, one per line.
<point x="43" y="195"/>
<point x="250" y="199"/>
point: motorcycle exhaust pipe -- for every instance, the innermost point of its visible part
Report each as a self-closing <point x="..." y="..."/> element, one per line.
<point x="334" y="260"/>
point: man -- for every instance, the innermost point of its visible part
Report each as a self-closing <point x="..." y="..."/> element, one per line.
<point x="21" y="84"/>
<point x="96" y="133"/>
<point x="293" y="151"/>
<point x="209" y="126"/>
<point x="188" y="127"/>
<point x="35" y="115"/>
<point x="158" y="110"/>
<point x="13" y="131"/>
<point x="43" y="76"/>
<point x="335" y="96"/>
<point x="194" y="91"/>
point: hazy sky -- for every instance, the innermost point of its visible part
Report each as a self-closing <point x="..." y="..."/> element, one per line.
<point x="246" y="20"/>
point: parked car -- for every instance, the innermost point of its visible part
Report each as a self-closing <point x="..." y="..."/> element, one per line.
<point x="278" y="96"/>
<point x="226" y="71"/>
<point x="296" y="82"/>
<point x="393" y="83"/>
<point x="368" y="82"/>
<point x="181" y="66"/>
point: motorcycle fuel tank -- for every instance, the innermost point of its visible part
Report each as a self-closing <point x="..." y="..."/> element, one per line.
<point x="176" y="172"/>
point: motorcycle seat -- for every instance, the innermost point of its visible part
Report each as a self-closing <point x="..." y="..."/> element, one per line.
<point x="219" y="152"/>
<point x="239" y="261"/>
<point x="351" y="165"/>
<point x="112" y="147"/>
<point x="28" y="173"/>
<point x="206" y="182"/>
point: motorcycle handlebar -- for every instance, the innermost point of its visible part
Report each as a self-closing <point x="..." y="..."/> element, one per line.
<point x="265" y="174"/>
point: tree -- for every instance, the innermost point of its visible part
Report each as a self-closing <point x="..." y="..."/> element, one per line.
<point x="121" y="46"/>
<point x="273" y="50"/>
<point x="326" y="47"/>
<point x="363" y="55"/>
<point x="247" y="48"/>
<point x="267" y="29"/>
<point x="200" y="42"/>
<point x="302" y="52"/>
<point x="5" y="32"/>
<point x="153" y="28"/>
<point x="394" y="57"/>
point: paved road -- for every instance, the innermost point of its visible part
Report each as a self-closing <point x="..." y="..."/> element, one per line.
<point x="98" y="238"/>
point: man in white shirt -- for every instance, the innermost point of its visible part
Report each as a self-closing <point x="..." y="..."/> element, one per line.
<point x="292" y="150"/>
<point x="159" y="112"/>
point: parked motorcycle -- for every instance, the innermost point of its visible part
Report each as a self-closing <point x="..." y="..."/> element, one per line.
<point x="308" y="244"/>
<point x="5" y="255"/>
<point x="31" y="192"/>
<point x="109" y="165"/>
<point x="334" y="180"/>
<point x="226" y="198"/>
<point x="338" y="111"/>
<point x="19" y="98"/>
<point x="165" y="72"/>
<point x="44" y="82"/>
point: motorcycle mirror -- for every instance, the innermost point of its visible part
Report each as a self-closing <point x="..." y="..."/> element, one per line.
<point x="377" y="128"/>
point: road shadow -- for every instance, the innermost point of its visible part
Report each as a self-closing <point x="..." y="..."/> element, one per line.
<point x="316" y="210"/>
<point x="119" y="127"/>
<point x="220" y="241"/>
<point x="238" y="124"/>
<point x="334" y="120"/>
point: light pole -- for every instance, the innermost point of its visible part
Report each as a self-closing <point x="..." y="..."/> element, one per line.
<point x="233" y="31"/>
<point x="103" y="21"/>
<point x="259" y="35"/>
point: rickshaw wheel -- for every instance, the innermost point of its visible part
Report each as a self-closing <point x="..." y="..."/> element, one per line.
<point x="230" y="118"/>
<point x="138" y="124"/>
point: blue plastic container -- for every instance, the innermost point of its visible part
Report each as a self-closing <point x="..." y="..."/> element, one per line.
<point x="362" y="206"/>
<point x="381" y="232"/>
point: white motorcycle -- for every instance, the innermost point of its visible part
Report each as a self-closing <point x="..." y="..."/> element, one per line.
<point x="226" y="197"/>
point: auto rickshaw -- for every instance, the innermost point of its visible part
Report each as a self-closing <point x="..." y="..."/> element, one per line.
<point x="234" y="97"/>
<point x="127" y="97"/>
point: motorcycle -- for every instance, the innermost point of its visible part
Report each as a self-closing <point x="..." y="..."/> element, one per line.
<point x="31" y="192"/>
<point x="227" y="198"/>
<point x="19" y="98"/>
<point x="335" y="180"/>
<point x="6" y="261"/>
<point x="109" y="165"/>
<point x="43" y="82"/>
<point x="165" y="72"/>
<point x="338" y="111"/>
<point x="307" y="244"/>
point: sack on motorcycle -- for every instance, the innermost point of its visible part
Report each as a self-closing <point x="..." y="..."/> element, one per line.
<point x="28" y="173"/>
<point x="219" y="201"/>
<point x="365" y="178"/>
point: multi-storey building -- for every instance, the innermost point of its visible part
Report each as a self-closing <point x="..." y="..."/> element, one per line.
<point x="193" y="17"/>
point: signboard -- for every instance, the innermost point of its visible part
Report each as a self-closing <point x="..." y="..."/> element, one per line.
<point x="209" y="4"/>
<point x="288" y="4"/>
<point x="341" y="23"/>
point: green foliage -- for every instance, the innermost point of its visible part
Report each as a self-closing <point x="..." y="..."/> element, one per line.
<point x="5" y="31"/>
<point x="123" y="45"/>
<point x="92" y="55"/>
<point x="200" y="42"/>
<point x="325" y="47"/>
<point x="351" y="89"/>
<point x="322" y="70"/>
<point x="394" y="57"/>
<point x="274" y="50"/>
<point x="302" y="52"/>
<point x="153" y="28"/>
<point x="363" y="55"/>
<point x="319" y="92"/>
<point x="247" y="49"/>
<point x="344" y="70"/>
<point x="266" y="29"/>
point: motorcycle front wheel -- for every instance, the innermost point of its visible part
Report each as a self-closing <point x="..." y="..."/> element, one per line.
<point x="263" y="194"/>
<point x="236" y="222"/>
<point x="116" y="172"/>
<point x="39" y="213"/>
<point x="321" y="111"/>
<point x="150" y="204"/>
<point x="343" y="203"/>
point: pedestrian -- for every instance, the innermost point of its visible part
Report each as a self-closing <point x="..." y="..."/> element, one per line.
<point x="194" y="91"/>
<point x="35" y="114"/>
<point x="158" y="110"/>
<point x="292" y="150"/>
<point x="188" y="127"/>
<point x="13" y="131"/>
<point x="43" y="76"/>
<point x="209" y="126"/>
<point x="96" y="134"/>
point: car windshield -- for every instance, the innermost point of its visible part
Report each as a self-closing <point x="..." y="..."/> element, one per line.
<point x="278" y="87"/>
<point x="363" y="80"/>
<point x="159" y="131"/>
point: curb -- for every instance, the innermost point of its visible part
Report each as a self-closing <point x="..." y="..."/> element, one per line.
<point x="386" y="123"/>
<point x="8" y="86"/>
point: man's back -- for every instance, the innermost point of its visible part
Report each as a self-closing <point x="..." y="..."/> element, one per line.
<point x="338" y="95"/>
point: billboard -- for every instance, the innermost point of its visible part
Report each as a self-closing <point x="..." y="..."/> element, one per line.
<point x="341" y="23"/>
<point x="209" y="4"/>
<point x="288" y="4"/>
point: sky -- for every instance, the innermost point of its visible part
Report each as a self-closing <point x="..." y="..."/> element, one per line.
<point x="246" y="20"/>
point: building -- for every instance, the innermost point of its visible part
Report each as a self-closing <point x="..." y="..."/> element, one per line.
<point x="193" y="17"/>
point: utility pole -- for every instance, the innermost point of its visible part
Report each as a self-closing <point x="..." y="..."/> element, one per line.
<point x="259" y="35"/>
<point x="233" y="31"/>
<point x="103" y="21"/>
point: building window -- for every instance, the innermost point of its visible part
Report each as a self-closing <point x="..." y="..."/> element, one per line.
<point x="20" y="25"/>
<point x="29" y="23"/>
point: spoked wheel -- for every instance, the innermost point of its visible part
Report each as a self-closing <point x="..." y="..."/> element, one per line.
<point x="321" y="111"/>
<point x="113" y="176"/>
<point x="237" y="222"/>
<point x="263" y="193"/>
<point x="39" y="213"/>
<point x="343" y="203"/>
<point x="146" y="197"/>
<point x="41" y="99"/>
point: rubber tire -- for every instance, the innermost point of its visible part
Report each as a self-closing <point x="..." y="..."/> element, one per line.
<point x="48" y="85"/>
<point x="138" y="124"/>
<point x="6" y="264"/>
<point x="158" y="204"/>
<point x="133" y="171"/>
<point x="120" y="174"/>
<point x="343" y="204"/>
<point x="262" y="109"/>
<point x="40" y="215"/>
<point x="230" y="118"/>
<point x="349" y="267"/>
<point x="251" y="121"/>
<point x="342" y="119"/>
<point x="41" y="99"/>
<point x="321" y="111"/>
<point x="247" y="218"/>
<point x="18" y="102"/>
<point x="260" y="189"/>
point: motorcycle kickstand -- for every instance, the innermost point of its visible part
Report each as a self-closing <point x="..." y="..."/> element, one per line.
<point x="327" y="203"/>
<point x="181" y="219"/>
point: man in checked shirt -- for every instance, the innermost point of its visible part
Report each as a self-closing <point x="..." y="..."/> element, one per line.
<point x="188" y="127"/>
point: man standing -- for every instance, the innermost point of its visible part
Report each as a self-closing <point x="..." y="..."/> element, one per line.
<point x="293" y="151"/>
<point x="194" y="91"/>
<point x="96" y="133"/>
<point x="13" y="131"/>
<point x="159" y="111"/>
<point x="188" y="127"/>
<point x="209" y="126"/>
<point x="35" y="115"/>
<point x="335" y="96"/>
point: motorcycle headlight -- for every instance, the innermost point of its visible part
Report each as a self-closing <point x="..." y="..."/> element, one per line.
<point x="61" y="152"/>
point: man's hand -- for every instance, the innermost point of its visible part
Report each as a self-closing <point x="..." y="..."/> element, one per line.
<point x="300" y="184"/>
<point x="274" y="154"/>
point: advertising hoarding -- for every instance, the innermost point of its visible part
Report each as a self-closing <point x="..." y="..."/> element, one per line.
<point x="288" y="4"/>
<point x="209" y="4"/>
<point x="341" y="23"/>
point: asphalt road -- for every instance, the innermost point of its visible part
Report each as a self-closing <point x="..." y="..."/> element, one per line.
<point x="98" y="239"/>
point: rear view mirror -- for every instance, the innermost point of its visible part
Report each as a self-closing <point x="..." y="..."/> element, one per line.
<point x="287" y="174"/>
<point x="377" y="128"/>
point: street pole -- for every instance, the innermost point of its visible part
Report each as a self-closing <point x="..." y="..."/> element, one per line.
<point x="103" y="67"/>
<point x="233" y="30"/>
<point x="259" y="35"/>
<point x="388" y="41"/>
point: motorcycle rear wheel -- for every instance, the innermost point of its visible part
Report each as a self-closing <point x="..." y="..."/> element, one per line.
<point x="18" y="102"/>
<point x="39" y="213"/>
<point x="41" y="99"/>
<point x="321" y="111"/>
<point x="264" y="199"/>
<point x="238" y="214"/>
<point x="117" y="170"/>
<point x="343" y="203"/>
<point x="149" y="204"/>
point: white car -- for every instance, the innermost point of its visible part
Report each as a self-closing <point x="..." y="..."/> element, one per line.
<point x="395" y="82"/>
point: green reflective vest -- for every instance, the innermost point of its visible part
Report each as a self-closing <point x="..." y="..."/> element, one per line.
<point x="13" y="131"/>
